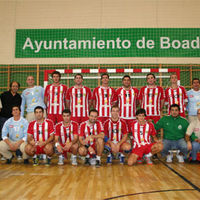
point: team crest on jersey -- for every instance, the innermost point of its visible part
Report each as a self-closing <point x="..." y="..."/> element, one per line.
<point x="27" y="93"/>
<point x="36" y="90"/>
<point x="61" y="91"/>
<point x="179" y="127"/>
<point x="191" y="96"/>
<point x="156" y="93"/>
<point x="22" y="126"/>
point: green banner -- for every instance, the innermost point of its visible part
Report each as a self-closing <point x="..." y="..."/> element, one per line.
<point x="112" y="42"/>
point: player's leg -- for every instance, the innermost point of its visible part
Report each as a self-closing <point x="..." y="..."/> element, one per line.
<point x="74" y="150"/>
<point x="48" y="150"/>
<point x="5" y="152"/>
<point x="83" y="151"/>
<point x="132" y="159"/>
<point x="99" y="148"/>
<point x="125" y="148"/>
<point x="24" y="155"/>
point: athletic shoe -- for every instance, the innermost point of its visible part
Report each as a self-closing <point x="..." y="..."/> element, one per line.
<point x="35" y="161"/>
<point x="74" y="160"/>
<point x="148" y="160"/>
<point x="60" y="160"/>
<point x="140" y="161"/>
<point x="193" y="161"/>
<point x="9" y="161"/>
<point x="109" y="160"/>
<point x="122" y="160"/>
<point x="2" y="158"/>
<point x="87" y="161"/>
<point x="48" y="162"/>
<point x="98" y="163"/>
<point x="180" y="158"/>
<point x="26" y="161"/>
<point x="169" y="158"/>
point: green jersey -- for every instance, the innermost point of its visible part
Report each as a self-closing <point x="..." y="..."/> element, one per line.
<point x="174" y="128"/>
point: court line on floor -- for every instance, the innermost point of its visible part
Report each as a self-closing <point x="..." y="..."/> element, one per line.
<point x="181" y="176"/>
<point x="150" y="192"/>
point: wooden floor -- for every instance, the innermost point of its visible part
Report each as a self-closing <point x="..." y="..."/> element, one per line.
<point x="158" y="181"/>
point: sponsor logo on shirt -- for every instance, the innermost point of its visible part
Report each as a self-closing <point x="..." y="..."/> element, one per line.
<point x="179" y="127"/>
<point x="11" y="126"/>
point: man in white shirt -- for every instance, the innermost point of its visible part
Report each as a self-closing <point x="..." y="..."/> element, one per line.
<point x="193" y="100"/>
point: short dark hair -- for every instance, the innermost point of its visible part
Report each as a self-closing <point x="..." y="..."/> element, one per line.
<point x="56" y="72"/>
<point x="67" y="111"/>
<point x="17" y="106"/>
<point x="141" y="111"/>
<point x="126" y="76"/>
<point x="195" y="79"/>
<point x="105" y="74"/>
<point x="93" y="110"/>
<point x="151" y="75"/>
<point x="78" y="75"/>
<point x="39" y="107"/>
<point x="174" y="106"/>
<point x="15" y="82"/>
<point x="114" y="106"/>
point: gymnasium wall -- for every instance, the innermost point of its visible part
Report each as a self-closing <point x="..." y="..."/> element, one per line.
<point x="51" y="14"/>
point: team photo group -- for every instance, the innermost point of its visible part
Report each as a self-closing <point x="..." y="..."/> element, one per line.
<point x="124" y="123"/>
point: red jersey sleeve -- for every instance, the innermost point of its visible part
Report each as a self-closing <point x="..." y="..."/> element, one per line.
<point x="114" y="96"/>
<point x="75" y="128"/>
<point x="166" y="95"/>
<point x="106" y="128"/>
<point x="89" y="93"/>
<point x="124" y="128"/>
<point x="185" y="94"/>
<point x="57" y="130"/>
<point x="100" y="127"/>
<point x="81" y="130"/>
<point x="30" y="128"/>
<point x="68" y="94"/>
<point x="141" y="93"/>
<point x="51" y="128"/>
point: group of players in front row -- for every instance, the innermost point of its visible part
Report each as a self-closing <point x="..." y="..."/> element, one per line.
<point x="89" y="140"/>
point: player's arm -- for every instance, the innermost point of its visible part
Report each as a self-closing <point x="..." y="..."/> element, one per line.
<point x="124" y="138"/>
<point x="45" y="100"/>
<point x="100" y="135"/>
<point x="82" y="140"/>
<point x="75" y="140"/>
<point x="30" y="140"/>
<point x="162" y="104"/>
<point x="90" y="104"/>
<point x="57" y="144"/>
<point x="23" y="105"/>
<point x="50" y="139"/>
<point x="67" y="103"/>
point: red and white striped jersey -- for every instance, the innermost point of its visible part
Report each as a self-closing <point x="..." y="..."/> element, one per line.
<point x="66" y="133"/>
<point x="141" y="133"/>
<point x="56" y="96"/>
<point x="115" y="130"/>
<point x="176" y="96"/>
<point x="41" y="131"/>
<point x="151" y="99"/>
<point x="86" y="130"/>
<point x="104" y="98"/>
<point x="127" y="102"/>
<point x="79" y="101"/>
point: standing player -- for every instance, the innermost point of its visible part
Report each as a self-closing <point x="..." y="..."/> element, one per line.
<point x="127" y="101"/>
<point x="151" y="98"/>
<point x="40" y="137"/>
<point x="104" y="97"/>
<point x="91" y="138"/>
<point x="193" y="100"/>
<point x="79" y="100"/>
<point x="176" y="95"/>
<point x="55" y="98"/>
<point x="142" y="145"/>
<point x="116" y="135"/>
<point x="66" y="137"/>
<point x="32" y="97"/>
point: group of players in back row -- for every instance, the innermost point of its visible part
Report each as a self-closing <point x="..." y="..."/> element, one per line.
<point x="80" y="129"/>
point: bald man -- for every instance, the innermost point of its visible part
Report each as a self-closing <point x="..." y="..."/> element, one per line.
<point x="32" y="97"/>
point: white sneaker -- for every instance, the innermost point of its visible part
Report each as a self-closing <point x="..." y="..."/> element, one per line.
<point x="19" y="158"/>
<point x="2" y="158"/>
<point x="61" y="160"/>
<point x="180" y="158"/>
<point x="169" y="158"/>
<point x="74" y="160"/>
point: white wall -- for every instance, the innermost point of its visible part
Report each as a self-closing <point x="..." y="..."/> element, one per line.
<point x="26" y="14"/>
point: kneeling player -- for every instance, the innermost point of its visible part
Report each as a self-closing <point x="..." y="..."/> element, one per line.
<point x="115" y="130"/>
<point x="91" y="138"/>
<point x="142" y="145"/>
<point x="40" y="137"/>
<point x="66" y="137"/>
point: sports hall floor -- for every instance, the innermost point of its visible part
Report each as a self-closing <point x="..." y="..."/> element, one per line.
<point x="158" y="181"/>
